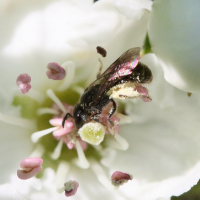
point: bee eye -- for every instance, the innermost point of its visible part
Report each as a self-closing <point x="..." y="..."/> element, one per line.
<point x="78" y="111"/>
<point x="79" y="121"/>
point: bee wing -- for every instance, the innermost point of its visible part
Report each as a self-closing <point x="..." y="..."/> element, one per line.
<point x="123" y="65"/>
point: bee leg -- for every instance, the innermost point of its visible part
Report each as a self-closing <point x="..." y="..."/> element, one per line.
<point x="65" y="118"/>
<point x="123" y="96"/>
<point x="112" y="111"/>
<point x="100" y="68"/>
<point x="96" y="120"/>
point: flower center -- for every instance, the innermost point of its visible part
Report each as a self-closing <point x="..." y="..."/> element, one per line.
<point x="61" y="145"/>
<point x="66" y="143"/>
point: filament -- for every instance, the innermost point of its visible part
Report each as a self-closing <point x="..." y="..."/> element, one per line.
<point x="51" y="94"/>
<point x="26" y="123"/>
<point x="70" y="67"/>
<point x="83" y="162"/>
<point x="57" y="151"/>
<point x="37" y="135"/>
<point x="42" y="111"/>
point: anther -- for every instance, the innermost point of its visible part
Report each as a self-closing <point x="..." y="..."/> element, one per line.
<point x="23" y="81"/>
<point x="30" y="167"/>
<point x="55" y="71"/>
<point x="119" y="178"/>
<point x="70" y="188"/>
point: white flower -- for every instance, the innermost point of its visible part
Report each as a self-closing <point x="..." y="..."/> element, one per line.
<point x="174" y="31"/>
<point x="163" y="153"/>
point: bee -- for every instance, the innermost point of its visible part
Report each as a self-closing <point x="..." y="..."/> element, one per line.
<point x="123" y="79"/>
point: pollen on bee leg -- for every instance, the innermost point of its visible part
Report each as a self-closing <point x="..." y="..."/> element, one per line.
<point x="119" y="178"/>
<point x="143" y="92"/>
<point x="23" y="81"/>
<point x="30" y="167"/>
<point x="92" y="133"/>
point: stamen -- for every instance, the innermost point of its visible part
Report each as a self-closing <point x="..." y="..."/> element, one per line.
<point x="71" y="188"/>
<point x="23" y="81"/>
<point x="119" y="178"/>
<point x="124" y="144"/>
<point x="38" y="152"/>
<point x="61" y="131"/>
<point x="101" y="51"/>
<point x="26" y="123"/>
<point x="83" y="162"/>
<point x="37" y="135"/>
<point x="124" y="119"/>
<point x="70" y="67"/>
<point x="57" y="151"/>
<point x="30" y="167"/>
<point x="51" y="94"/>
<point x="90" y="79"/>
<point x="55" y="71"/>
<point x="189" y="94"/>
<point x="36" y="95"/>
<point x="61" y="175"/>
<point x="43" y="111"/>
<point x="101" y="176"/>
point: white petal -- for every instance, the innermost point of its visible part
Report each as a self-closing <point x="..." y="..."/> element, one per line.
<point x="132" y="9"/>
<point x="163" y="144"/>
<point x="174" y="35"/>
<point x="15" y="145"/>
<point x="36" y="189"/>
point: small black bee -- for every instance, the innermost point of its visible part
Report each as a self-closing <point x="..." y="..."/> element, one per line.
<point x="125" y="70"/>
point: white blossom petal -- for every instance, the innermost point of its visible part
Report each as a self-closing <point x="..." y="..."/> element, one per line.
<point x="36" y="189"/>
<point x="158" y="154"/>
<point x="174" y="36"/>
<point x="163" y="155"/>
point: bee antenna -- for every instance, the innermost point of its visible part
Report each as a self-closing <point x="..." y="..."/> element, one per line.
<point x="65" y="118"/>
